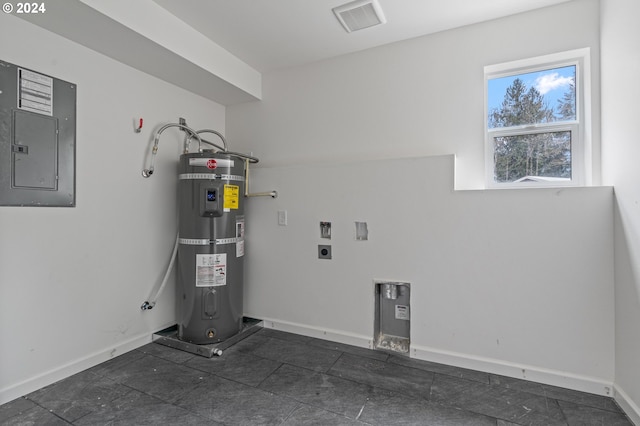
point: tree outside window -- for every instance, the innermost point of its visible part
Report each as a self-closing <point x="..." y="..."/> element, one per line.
<point x="532" y="125"/>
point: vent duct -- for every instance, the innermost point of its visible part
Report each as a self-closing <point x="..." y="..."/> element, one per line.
<point x="359" y="14"/>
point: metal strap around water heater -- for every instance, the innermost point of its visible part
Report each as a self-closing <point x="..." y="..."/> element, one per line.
<point x="209" y="176"/>
<point x="208" y="242"/>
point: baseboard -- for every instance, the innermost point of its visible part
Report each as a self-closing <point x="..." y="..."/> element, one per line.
<point x="628" y="406"/>
<point x="488" y="365"/>
<point x="519" y="371"/>
<point x="338" y="336"/>
<point x="49" y="377"/>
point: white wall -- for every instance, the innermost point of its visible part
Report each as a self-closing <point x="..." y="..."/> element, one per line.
<point x="515" y="282"/>
<point x="72" y="279"/>
<point x="423" y="96"/>
<point x="502" y="280"/>
<point x="621" y="151"/>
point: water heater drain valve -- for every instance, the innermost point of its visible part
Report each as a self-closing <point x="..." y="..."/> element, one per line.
<point x="146" y="306"/>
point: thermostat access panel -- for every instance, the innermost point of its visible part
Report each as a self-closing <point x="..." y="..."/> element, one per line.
<point x="37" y="138"/>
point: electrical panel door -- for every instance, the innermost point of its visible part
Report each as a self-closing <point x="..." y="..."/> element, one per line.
<point x="37" y="138"/>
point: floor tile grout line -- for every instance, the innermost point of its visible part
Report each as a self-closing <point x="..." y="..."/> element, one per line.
<point x="63" y="419"/>
<point x="36" y="406"/>
<point x="558" y="399"/>
<point x="335" y="362"/>
<point x="269" y="375"/>
<point x="298" y="407"/>
<point x="442" y="373"/>
<point x="302" y="403"/>
<point x="379" y="388"/>
<point x="545" y="389"/>
<point x="373" y="387"/>
<point x="433" y="379"/>
<point x="461" y="369"/>
<point x="513" y="389"/>
<point x="370" y="388"/>
<point x="49" y="410"/>
<point x="564" y="414"/>
<point x="306" y="368"/>
<point x="332" y="373"/>
<point x="165" y="359"/>
<point x="175" y="402"/>
<point x="343" y="353"/>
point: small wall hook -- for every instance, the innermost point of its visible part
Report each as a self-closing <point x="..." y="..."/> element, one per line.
<point x="137" y="125"/>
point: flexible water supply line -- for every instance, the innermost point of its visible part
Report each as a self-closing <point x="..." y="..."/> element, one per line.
<point x="218" y="147"/>
<point x="148" y="172"/>
<point x="224" y="141"/>
<point x="151" y="301"/>
<point x="223" y="149"/>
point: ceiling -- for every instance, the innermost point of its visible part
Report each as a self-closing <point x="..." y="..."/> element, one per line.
<point x="273" y="34"/>
<point x="219" y="49"/>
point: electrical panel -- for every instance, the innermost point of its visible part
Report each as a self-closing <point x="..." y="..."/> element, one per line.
<point x="37" y="138"/>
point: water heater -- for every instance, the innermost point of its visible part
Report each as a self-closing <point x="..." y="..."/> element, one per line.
<point x="211" y="246"/>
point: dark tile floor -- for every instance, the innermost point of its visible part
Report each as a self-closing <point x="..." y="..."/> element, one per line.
<point x="276" y="378"/>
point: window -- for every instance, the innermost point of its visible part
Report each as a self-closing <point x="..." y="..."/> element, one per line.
<point x="535" y="121"/>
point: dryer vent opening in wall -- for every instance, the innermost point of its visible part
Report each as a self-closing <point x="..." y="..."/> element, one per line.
<point x="392" y="316"/>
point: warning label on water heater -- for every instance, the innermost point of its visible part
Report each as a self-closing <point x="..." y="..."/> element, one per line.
<point x="231" y="197"/>
<point x="240" y="236"/>
<point x="211" y="270"/>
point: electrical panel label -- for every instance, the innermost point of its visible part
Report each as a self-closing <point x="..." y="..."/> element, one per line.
<point x="231" y="197"/>
<point x="35" y="92"/>
<point x="211" y="270"/>
<point x="402" y="312"/>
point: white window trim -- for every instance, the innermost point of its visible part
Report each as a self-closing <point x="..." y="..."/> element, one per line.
<point x="580" y="150"/>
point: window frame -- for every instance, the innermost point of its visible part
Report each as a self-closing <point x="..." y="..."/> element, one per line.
<point x="579" y="128"/>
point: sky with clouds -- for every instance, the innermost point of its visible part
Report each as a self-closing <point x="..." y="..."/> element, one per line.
<point x="552" y="84"/>
<point x="552" y="81"/>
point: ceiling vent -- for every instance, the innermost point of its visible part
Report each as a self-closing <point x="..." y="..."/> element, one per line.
<point x="359" y="14"/>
